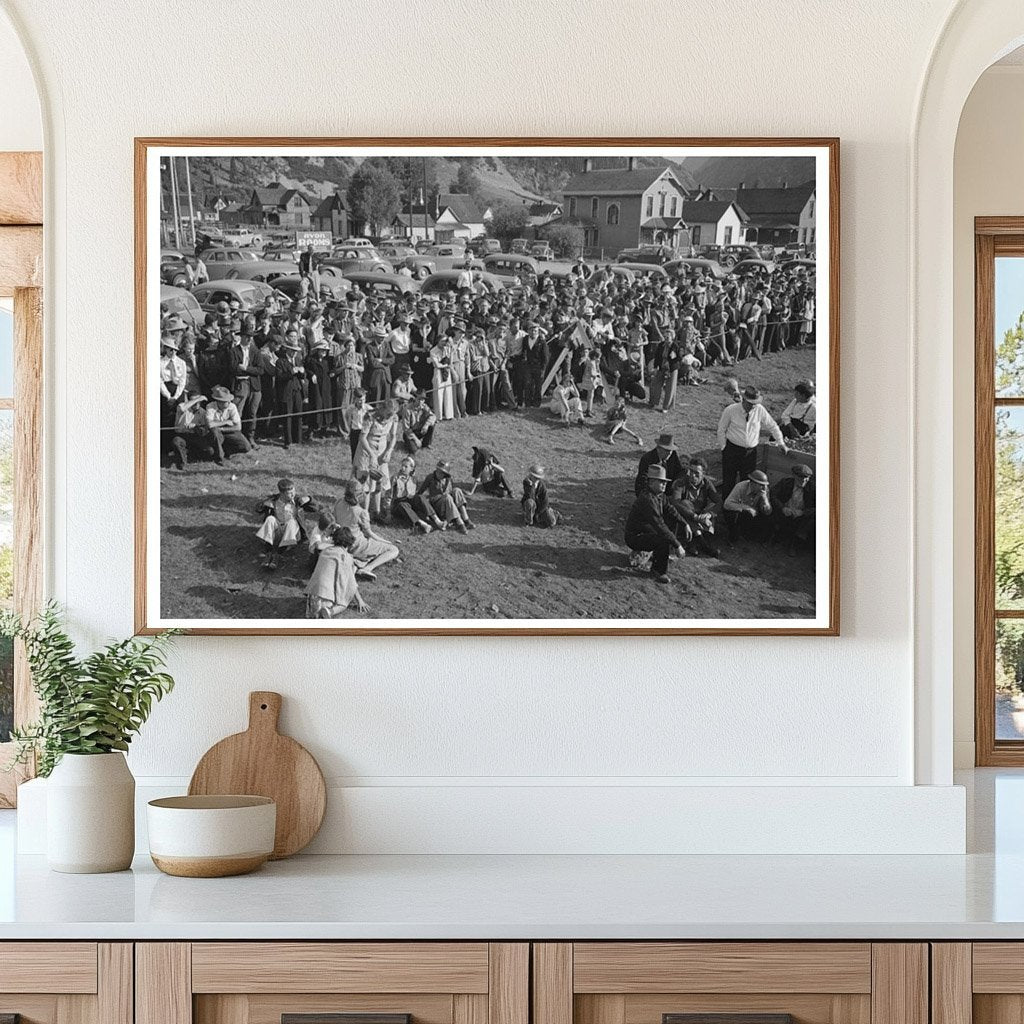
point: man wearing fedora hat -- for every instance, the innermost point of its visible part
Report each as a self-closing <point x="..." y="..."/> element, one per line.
<point x="793" y="503"/>
<point x="739" y="431"/>
<point x="748" y="507"/>
<point x="663" y="454"/>
<point x="441" y="501"/>
<point x="649" y="526"/>
<point x="291" y="374"/>
<point x="224" y="426"/>
<point x="537" y="510"/>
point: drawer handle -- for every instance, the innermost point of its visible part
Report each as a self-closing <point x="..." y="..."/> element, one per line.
<point x="727" y="1018"/>
<point x="339" y="1018"/>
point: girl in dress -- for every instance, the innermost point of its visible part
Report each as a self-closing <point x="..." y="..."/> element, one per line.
<point x="368" y="549"/>
<point x="333" y="589"/>
<point x="373" y="453"/>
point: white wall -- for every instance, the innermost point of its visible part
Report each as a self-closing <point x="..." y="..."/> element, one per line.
<point x="988" y="181"/>
<point x="443" y="713"/>
<point x="21" y="126"/>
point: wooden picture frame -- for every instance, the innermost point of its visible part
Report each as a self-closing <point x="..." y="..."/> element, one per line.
<point x="149" y="617"/>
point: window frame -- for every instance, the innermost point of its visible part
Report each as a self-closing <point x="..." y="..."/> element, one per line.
<point x="21" y="278"/>
<point x="608" y="214"/>
<point x="993" y="237"/>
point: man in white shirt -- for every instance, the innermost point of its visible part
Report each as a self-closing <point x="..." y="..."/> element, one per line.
<point x="400" y="343"/>
<point x="739" y="431"/>
<point x="225" y="426"/>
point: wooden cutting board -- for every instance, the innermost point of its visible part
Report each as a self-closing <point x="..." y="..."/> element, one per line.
<point x="262" y="762"/>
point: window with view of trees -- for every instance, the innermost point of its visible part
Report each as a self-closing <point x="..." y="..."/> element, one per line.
<point x="6" y="514"/>
<point x="999" y="455"/>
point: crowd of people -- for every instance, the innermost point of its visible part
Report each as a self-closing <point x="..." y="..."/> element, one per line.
<point x="385" y="372"/>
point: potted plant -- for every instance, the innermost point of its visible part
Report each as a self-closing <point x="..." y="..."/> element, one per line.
<point x="89" y="710"/>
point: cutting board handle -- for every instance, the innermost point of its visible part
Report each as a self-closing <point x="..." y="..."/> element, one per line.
<point x="264" y="710"/>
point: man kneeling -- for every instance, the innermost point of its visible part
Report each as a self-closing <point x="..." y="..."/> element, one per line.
<point x="650" y="522"/>
<point x="537" y="511"/>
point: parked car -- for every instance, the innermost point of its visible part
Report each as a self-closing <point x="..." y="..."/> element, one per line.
<point x="358" y="243"/>
<point x="542" y="251"/>
<point x="173" y="268"/>
<point x="507" y="265"/>
<point x="447" y="280"/>
<point x="358" y="264"/>
<point x="791" y="266"/>
<point x="220" y="261"/>
<point x="181" y="302"/>
<point x="330" y="287"/>
<point x="732" y="254"/>
<point x="656" y="254"/>
<point x="248" y="293"/>
<point x="754" y="266"/>
<point x="388" y="285"/>
<point x="421" y="266"/>
<point x="642" y="269"/>
<point x="709" y="252"/>
<point x="260" y="270"/>
<point x="450" y="249"/>
<point x="242" y="237"/>
<point x="484" y="246"/>
<point x="355" y="252"/>
<point x="396" y="251"/>
<point x="625" y="273"/>
<point x="520" y="246"/>
<point x="708" y="266"/>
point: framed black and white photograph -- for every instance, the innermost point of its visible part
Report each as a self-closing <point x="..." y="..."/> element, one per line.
<point x="482" y="386"/>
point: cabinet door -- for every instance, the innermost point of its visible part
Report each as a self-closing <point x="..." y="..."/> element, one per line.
<point x="332" y="983"/>
<point x="730" y="983"/>
<point x="66" y="982"/>
<point x="978" y="983"/>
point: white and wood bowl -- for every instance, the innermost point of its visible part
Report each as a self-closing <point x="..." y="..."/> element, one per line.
<point x="211" y="836"/>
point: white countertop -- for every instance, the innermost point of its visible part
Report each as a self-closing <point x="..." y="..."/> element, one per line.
<point x="516" y="897"/>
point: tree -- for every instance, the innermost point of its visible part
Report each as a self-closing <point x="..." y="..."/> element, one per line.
<point x="508" y="222"/>
<point x="565" y="239"/>
<point x="466" y="182"/>
<point x="1009" y="472"/>
<point x="374" y="196"/>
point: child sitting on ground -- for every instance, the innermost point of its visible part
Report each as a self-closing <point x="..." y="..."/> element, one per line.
<point x="369" y="550"/>
<point x="536" y="509"/>
<point x="489" y="474"/>
<point x="617" y="422"/>
<point x="333" y="589"/>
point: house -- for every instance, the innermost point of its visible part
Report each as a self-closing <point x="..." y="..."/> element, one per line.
<point x="233" y="214"/>
<point x="465" y="211"/>
<point x="714" y="222"/>
<point x="625" y="207"/>
<point x="779" y="216"/>
<point x="413" y="226"/>
<point x="276" y="206"/>
<point x="332" y="215"/>
<point x="544" y="213"/>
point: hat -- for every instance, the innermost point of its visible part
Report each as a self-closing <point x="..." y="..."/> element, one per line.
<point x="291" y="346"/>
<point x="665" y="441"/>
<point x="801" y="470"/>
<point x="406" y="371"/>
<point x="444" y="467"/>
<point x="751" y="394"/>
<point x="537" y="471"/>
<point x="166" y="341"/>
<point x="657" y="473"/>
<point x="757" y="477"/>
<point x="221" y="394"/>
<point x="379" y="332"/>
<point x="320" y="343"/>
<point x="174" y="323"/>
<point x="806" y="386"/>
<point x="223" y="308"/>
<point x="284" y="484"/>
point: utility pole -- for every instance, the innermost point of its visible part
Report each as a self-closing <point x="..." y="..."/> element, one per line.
<point x="191" y="208"/>
<point x="426" y="236"/>
<point x="174" y="205"/>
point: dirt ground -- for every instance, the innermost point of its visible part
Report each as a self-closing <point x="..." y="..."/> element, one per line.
<point x="210" y="557"/>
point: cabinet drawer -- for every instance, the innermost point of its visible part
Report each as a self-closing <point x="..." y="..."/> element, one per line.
<point x="332" y="983"/>
<point x="64" y="967"/>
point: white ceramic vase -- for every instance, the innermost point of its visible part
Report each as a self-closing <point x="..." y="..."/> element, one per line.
<point x="90" y="814"/>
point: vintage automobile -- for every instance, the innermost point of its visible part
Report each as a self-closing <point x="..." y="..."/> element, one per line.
<point x="484" y="246"/>
<point x="510" y="264"/>
<point x="791" y="266"/>
<point x="754" y="266"/>
<point x="352" y="263"/>
<point x="358" y="243"/>
<point x="447" y="281"/>
<point x="173" y="270"/>
<point x="655" y="254"/>
<point x="260" y="270"/>
<point x="421" y="266"/>
<point x="182" y="303"/>
<point x="396" y="251"/>
<point x="542" y="251"/>
<point x="709" y="252"/>
<point x="355" y="252"/>
<point x="219" y="261"/>
<point x="708" y="266"/>
<point x="625" y="273"/>
<point x="520" y="246"/>
<point x="382" y="285"/>
<point x="242" y="237"/>
<point x="652" y="270"/>
<point x="334" y="288"/>
<point x="451" y="250"/>
<point x="732" y="254"/>
<point x="248" y="293"/>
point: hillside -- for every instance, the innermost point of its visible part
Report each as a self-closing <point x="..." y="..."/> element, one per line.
<point x="750" y="171"/>
<point x="505" y="179"/>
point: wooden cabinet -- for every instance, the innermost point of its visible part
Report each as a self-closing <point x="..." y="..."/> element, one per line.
<point x="263" y="982"/>
<point x="749" y="982"/>
<point x="978" y="983"/>
<point x="66" y="982"/>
